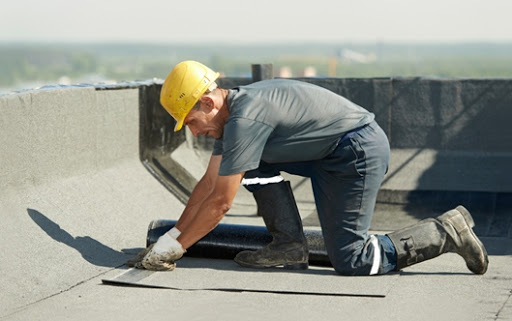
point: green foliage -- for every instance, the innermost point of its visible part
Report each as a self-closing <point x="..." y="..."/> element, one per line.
<point x="24" y="63"/>
<point x="47" y="63"/>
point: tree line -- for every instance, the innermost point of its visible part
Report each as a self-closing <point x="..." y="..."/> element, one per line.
<point x="130" y="62"/>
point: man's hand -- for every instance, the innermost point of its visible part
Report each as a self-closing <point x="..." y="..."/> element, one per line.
<point x="137" y="262"/>
<point x="163" y="254"/>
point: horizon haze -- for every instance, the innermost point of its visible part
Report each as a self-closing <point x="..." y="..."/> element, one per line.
<point x="265" y="21"/>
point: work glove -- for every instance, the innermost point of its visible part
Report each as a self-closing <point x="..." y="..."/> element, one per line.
<point x="137" y="262"/>
<point x="164" y="252"/>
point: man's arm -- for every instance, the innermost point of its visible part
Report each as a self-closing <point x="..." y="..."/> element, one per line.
<point x="200" y="192"/>
<point x="210" y="200"/>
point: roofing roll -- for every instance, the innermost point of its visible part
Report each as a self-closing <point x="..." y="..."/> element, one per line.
<point x="226" y="240"/>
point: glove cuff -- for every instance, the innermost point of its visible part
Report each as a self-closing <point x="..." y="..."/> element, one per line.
<point x="167" y="243"/>
<point x="174" y="232"/>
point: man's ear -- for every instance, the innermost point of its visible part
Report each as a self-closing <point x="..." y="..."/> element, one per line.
<point x="206" y="102"/>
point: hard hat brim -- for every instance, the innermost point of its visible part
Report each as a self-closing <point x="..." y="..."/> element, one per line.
<point x="179" y="125"/>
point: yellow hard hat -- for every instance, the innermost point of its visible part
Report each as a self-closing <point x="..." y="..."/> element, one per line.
<point x="183" y="87"/>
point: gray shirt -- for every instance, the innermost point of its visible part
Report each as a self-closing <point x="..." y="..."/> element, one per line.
<point x="282" y="121"/>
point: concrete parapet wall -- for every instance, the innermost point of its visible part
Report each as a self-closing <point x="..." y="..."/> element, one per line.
<point x="447" y="135"/>
<point x="51" y="134"/>
<point x="440" y="114"/>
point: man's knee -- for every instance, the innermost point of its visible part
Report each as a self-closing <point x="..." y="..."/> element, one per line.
<point x="357" y="258"/>
<point x="376" y="255"/>
<point x="348" y="268"/>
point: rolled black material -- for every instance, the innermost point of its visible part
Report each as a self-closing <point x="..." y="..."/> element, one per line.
<point x="226" y="240"/>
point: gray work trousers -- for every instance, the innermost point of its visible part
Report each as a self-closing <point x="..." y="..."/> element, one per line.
<point x="345" y="186"/>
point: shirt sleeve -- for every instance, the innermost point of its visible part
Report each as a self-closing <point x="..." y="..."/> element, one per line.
<point x="242" y="146"/>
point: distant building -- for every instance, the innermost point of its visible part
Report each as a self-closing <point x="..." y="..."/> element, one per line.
<point x="285" y="72"/>
<point x="351" y="56"/>
<point x="309" y="72"/>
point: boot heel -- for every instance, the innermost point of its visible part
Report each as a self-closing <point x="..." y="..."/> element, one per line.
<point x="296" y="266"/>
<point x="467" y="216"/>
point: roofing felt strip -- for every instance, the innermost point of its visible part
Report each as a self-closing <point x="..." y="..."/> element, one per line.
<point x="225" y="275"/>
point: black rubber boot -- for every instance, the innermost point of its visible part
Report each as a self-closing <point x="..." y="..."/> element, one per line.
<point x="450" y="232"/>
<point x="288" y="248"/>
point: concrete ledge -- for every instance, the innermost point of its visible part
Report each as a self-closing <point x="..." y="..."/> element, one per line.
<point x="459" y="170"/>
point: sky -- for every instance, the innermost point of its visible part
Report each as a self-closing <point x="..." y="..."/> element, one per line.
<point x="239" y="21"/>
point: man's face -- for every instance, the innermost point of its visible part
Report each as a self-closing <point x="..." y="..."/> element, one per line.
<point x="202" y="122"/>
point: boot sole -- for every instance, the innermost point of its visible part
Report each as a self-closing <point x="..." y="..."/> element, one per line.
<point x="288" y="266"/>
<point x="471" y="223"/>
<point x="296" y="266"/>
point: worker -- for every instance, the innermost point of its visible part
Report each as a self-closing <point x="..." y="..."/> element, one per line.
<point x="282" y="125"/>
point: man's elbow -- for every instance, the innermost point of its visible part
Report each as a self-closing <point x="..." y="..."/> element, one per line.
<point x="225" y="205"/>
<point x="222" y="205"/>
<point x="224" y="209"/>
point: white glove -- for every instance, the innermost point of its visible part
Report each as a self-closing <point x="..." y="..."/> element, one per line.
<point x="166" y="250"/>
